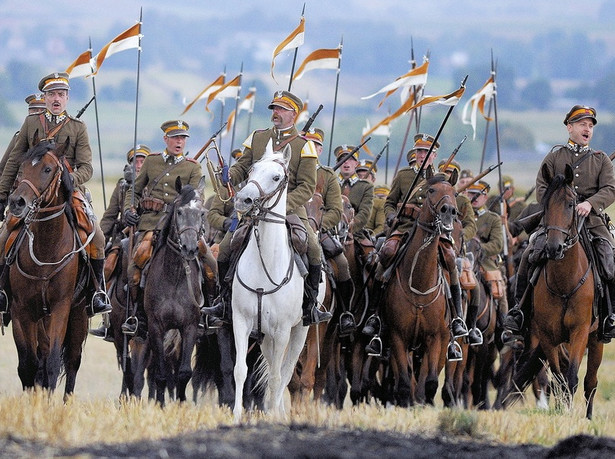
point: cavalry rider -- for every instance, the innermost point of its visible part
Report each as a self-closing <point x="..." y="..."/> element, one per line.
<point x="55" y="124"/>
<point x="489" y="233"/>
<point x="153" y="193"/>
<point x="36" y="104"/>
<point x="360" y="192"/>
<point x="377" y="219"/>
<point x="399" y="188"/>
<point x="468" y="224"/>
<point x="112" y="223"/>
<point x="594" y="184"/>
<point x="285" y="107"/>
<point x="328" y="187"/>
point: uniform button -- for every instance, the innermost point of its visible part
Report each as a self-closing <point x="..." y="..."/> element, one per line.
<point x="576" y="175"/>
<point x="165" y="184"/>
<point x="166" y="194"/>
<point x="576" y="187"/>
<point x="167" y="174"/>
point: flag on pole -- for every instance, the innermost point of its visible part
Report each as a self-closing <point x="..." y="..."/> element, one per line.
<point x="126" y="40"/>
<point x="319" y="59"/>
<point x="380" y="129"/>
<point x="214" y="86"/>
<point x="229" y="124"/>
<point x="248" y="103"/>
<point x="477" y="103"/>
<point x="82" y="66"/>
<point x="294" y="40"/>
<point x="414" y="77"/>
<point x="304" y="115"/>
<point x="230" y="89"/>
<point x="406" y="106"/>
<point x="447" y="99"/>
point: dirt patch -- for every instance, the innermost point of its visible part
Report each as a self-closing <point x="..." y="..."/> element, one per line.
<point x="279" y="441"/>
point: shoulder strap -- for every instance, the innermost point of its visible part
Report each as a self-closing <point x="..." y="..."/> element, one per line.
<point x="154" y="182"/>
<point x="51" y="134"/>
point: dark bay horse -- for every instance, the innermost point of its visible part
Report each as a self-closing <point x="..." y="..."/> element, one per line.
<point x="47" y="300"/>
<point x="415" y="302"/>
<point x="172" y="293"/>
<point x="563" y="299"/>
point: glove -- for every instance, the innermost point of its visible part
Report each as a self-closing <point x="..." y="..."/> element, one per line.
<point x="128" y="173"/>
<point x="230" y="224"/>
<point x="225" y="177"/>
<point x="390" y="218"/>
<point x="131" y="217"/>
<point x="2" y="209"/>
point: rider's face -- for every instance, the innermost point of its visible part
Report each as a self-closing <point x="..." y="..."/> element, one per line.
<point x="56" y="101"/>
<point x="175" y="144"/>
<point x="581" y="132"/>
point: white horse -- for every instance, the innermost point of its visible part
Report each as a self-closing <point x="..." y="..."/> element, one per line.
<point x="267" y="286"/>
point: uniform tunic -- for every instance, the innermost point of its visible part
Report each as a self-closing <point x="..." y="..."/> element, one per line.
<point x="328" y="187"/>
<point x="5" y="156"/>
<point x="489" y="232"/>
<point x="111" y="223"/>
<point x="219" y="211"/>
<point x="593" y="182"/>
<point x="154" y="165"/>
<point x="377" y="217"/>
<point x="360" y="193"/>
<point x="399" y="188"/>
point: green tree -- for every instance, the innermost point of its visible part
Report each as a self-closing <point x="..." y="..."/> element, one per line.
<point x="537" y="94"/>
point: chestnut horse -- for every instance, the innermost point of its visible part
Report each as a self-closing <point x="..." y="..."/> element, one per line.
<point x="46" y="289"/>
<point x="563" y="299"/>
<point x="415" y="303"/>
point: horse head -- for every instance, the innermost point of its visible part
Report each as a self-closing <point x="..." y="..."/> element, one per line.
<point x="266" y="183"/>
<point x="439" y="210"/>
<point x="560" y="215"/>
<point x="187" y="214"/>
<point x="42" y="178"/>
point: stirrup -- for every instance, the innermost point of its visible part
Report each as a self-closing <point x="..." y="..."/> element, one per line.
<point x="377" y="328"/>
<point x="512" y="340"/>
<point x="131" y="326"/>
<point x="464" y="332"/>
<point x="373" y="345"/>
<point x="4" y="305"/>
<point x="105" y="301"/>
<point x="480" y="336"/>
<point x="347" y="315"/>
<point x="454" y="352"/>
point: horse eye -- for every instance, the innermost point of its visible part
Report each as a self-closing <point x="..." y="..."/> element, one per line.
<point x="276" y="178"/>
<point x="47" y="170"/>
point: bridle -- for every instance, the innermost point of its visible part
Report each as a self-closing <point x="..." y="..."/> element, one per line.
<point x="572" y="232"/>
<point x="259" y="209"/>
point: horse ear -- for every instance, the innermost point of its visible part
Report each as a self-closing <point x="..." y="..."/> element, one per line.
<point x="287" y="153"/>
<point x="201" y="186"/>
<point x="178" y="184"/>
<point x="569" y="174"/>
<point x="62" y="148"/>
<point x="268" y="148"/>
<point x="428" y="173"/>
<point x="453" y="177"/>
<point x="546" y="173"/>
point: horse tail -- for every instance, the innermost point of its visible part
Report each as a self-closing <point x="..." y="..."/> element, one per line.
<point x="529" y="370"/>
<point x="172" y="345"/>
<point x="261" y="373"/>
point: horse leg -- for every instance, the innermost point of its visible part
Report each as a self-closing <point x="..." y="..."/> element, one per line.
<point x="24" y="335"/>
<point x="140" y="355"/>
<point x="241" y="333"/>
<point x="578" y="344"/>
<point x="226" y="389"/>
<point x="400" y="369"/>
<point x="594" y="359"/>
<point x="73" y="346"/>
<point x="156" y="341"/>
<point x="55" y="326"/>
<point x="432" y="357"/>
<point x="297" y="339"/>
<point x="185" y="367"/>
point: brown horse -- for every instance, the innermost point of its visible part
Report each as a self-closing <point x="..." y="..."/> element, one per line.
<point x="415" y="298"/>
<point x="563" y="298"/>
<point x="47" y="305"/>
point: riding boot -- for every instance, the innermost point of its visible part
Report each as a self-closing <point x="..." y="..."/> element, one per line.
<point x="136" y="324"/>
<point x="608" y="326"/>
<point x="311" y="313"/>
<point x="104" y="331"/>
<point x="475" y="336"/>
<point x="458" y="326"/>
<point x="99" y="301"/>
<point x="514" y="323"/>
<point x="345" y="290"/>
<point x="373" y="325"/>
<point x="216" y="315"/>
<point x="4" y="297"/>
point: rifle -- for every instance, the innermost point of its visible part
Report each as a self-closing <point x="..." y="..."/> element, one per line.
<point x="612" y="156"/>
<point x="211" y="139"/>
<point x="378" y="156"/>
<point x="80" y="112"/>
<point x="529" y="193"/>
<point x="478" y="177"/>
<point x="349" y="154"/>
<point x="453" y="154"/>
<point x="309" y="122"/>
<point x="499" y="198"/>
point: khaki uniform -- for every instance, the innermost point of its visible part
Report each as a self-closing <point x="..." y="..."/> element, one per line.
<point x="399" y="188"/>
<point x="377" y="218"/>
<point x="328" y="187"/>
<point x="361" y="195"/>
<point x="489" y="232"/>
<point x="153" y="167"/>
<point x="112" y="223"/>
<point x="5" y="156"/>
<point x="593" y="181"/>
<point x="301" y="179"/>
<point x="466" y="216"/>
<point x="218" y="212"/>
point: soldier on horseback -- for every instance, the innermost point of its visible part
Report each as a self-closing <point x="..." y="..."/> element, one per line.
<point x="153" y="193"/>
<point x="55" y="124"/>
<point x="285" y="107"/>
<point x="399" y="188"/>
<point x="594" y="184"/>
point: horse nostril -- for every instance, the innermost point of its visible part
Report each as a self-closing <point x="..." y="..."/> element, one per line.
<point x="248" y="201"/>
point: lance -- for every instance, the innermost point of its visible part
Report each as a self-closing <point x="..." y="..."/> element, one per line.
<point x="292" y="69"/>
<point x="529" y="193"/>
<point x="453" y="154"/>
<point x="422" y="168"/>
<point x="349" y="154"/>
<point x="612" y="156"/>
<point x="132" y="188"/>
<point x="378" y="156"/>
<point x="84" y="108"/>
<point x="478" y="177"/>
<point x="337" y="84"/>
<point x="482" y="156"/>
<point x="236" y="115"/>
<point x="211" y="139"/>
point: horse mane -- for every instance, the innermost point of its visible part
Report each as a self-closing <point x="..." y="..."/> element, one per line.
<point x="186" y="194"/>
<point x="437" y="179"/>
<point x="67" y="187"/>
<point x="558" y="182"/>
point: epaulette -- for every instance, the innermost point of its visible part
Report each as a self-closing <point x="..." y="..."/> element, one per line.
<point x="153" y="154"/>
<point x="73" y="118"/>
<point x="192" y="160"/>
<point x="328" y="169"/>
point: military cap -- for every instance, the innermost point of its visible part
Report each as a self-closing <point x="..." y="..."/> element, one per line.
<point x="453" y="165"/>
<point x="367" y="165"/>
<point x="35" y="101"/>
<point x="287" y="100"/>
<point x="579" y="112"/>
<point x="142" y="150"/>
<point x="315" y="135"/>
<point x="466" y="173"/>
<point x="507" y="181"/>
<point x="174" y="128"/>
<point x="411" y="157"/>
<point x="58" y="80"/>
<point x="342" y="149"/>
<point x="236" y="153"/>
<point x="382" y="190"/>
<point x="424" y="141"/>
<point x="481" y="187"/>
